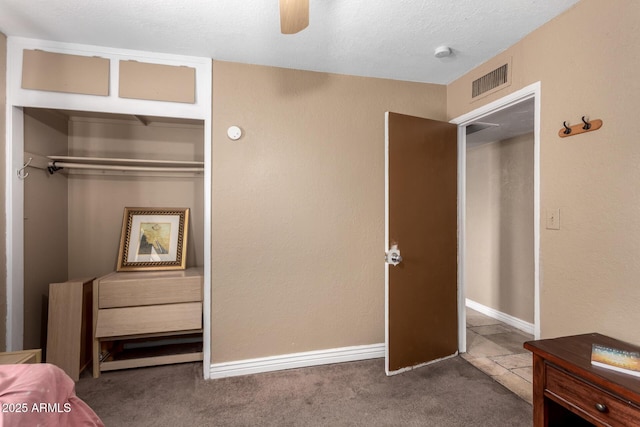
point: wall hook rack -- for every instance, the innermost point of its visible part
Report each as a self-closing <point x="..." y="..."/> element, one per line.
<point x="585" y="126"/>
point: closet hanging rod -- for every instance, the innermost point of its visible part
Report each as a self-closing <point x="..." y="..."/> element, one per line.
<point x="119" y="161"/>
<point x="55" y="165"/>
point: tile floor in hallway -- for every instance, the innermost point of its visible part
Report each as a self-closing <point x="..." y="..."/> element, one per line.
<point x="496" y="349"/>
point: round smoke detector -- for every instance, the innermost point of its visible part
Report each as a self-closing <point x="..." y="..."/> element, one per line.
<point x="442" y="52"/>
<point x="234" y="133"/>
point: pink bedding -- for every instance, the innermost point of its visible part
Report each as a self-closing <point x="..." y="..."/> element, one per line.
<point x="41" y="395"/>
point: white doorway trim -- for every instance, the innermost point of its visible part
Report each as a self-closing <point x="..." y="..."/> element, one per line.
<point x="531" y="91"/>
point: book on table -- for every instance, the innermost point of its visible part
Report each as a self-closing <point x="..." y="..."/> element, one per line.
<point x="627" y="362"/>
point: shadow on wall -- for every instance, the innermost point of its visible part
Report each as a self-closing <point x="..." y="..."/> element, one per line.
<point x="293" y="83"/>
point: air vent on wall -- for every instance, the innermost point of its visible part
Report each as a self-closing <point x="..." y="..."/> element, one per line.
<point x="490" y="81"/>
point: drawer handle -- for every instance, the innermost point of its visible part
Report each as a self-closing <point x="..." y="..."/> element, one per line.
<point x="601" y="407"/>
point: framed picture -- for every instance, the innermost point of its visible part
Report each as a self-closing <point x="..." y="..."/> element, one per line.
<point x="153" y="239"/>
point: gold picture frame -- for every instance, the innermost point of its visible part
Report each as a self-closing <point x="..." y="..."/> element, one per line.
<point x="153" y="239"/>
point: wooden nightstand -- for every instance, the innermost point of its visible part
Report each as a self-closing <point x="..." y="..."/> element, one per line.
<point x="568" y="390"/>
<point x="19" y="357"/>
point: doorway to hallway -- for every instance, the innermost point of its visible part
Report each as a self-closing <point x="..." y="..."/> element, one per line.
<point x="499" y="205"/>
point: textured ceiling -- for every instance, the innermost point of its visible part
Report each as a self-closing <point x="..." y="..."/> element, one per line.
<point x="507" y="123"/>
<point x="388" y="39"/>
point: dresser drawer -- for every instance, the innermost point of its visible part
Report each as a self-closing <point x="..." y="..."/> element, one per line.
<point x="129" y="293"/>
<point x="121" y="322"/>
<point x="585" y="399"/>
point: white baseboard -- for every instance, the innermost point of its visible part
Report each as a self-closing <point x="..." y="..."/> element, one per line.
<point x="296" y="360"/>
<point x="503" y="317"/>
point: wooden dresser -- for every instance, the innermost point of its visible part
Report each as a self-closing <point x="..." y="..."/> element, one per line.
<point x="568" y="390"/>
<point x="134" y="307"/>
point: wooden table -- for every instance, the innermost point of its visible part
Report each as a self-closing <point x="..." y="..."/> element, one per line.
<point x="19" y="357"/>
<point x="568" y="390"/>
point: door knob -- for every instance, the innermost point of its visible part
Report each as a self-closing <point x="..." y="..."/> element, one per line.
<point x="393" y="256"/>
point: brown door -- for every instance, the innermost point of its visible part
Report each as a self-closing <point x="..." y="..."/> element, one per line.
<point x="421" y="202"/>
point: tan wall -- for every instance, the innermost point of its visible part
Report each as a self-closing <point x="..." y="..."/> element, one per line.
<point x="45" y="224"/>
<point x="587" y="63"/>
<point x="499" y="226"/>
<point x="298" y="207"/>
<point x="3" y="254"/>
<point x="97" y="201"/>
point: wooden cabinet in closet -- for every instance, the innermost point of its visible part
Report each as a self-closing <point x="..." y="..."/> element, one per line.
<point x="132" y="310"/>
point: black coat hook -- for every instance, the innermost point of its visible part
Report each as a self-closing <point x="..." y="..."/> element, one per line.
<point x="567" y="129"/>
<point x="587" y="125"/>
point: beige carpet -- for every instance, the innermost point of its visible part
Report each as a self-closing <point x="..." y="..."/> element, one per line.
<point x="448" y="393"/>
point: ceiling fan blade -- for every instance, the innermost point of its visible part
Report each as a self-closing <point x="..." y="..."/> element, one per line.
<point x="294" y="16"/>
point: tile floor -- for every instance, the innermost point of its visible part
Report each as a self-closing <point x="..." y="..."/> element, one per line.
<point x="496" y="349"/>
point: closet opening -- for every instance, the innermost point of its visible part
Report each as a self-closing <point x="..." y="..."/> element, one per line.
<point x="73" y="216"/>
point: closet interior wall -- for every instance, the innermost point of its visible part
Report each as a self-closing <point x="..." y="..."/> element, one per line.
<point x="75" y="217"/>
<point x="45" y="223"/>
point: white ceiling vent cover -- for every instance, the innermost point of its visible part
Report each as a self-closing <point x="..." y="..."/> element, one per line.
<point x="491" y="81"/>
